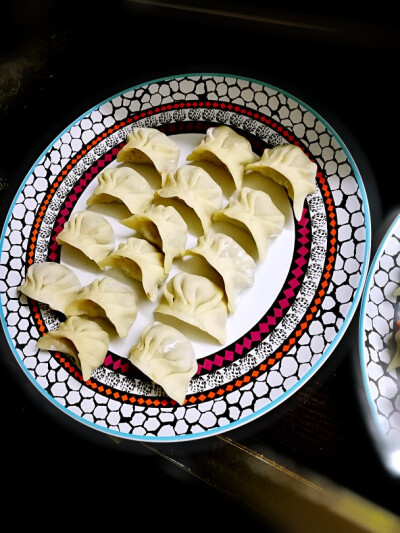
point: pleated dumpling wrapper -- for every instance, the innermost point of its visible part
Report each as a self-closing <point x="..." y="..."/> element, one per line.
<point x="224" y="147"/>
<point x="151" y="146"/>
<point x="167" y="357"/>
<point x="233" y="264"/>
<point x="83" y="339"/>
<point x="254" y="211"/>
<point x="138" y="259"/>
<point x="90" y="233"/>
<point x="163" y="226"/>
<point x="197" y="301"/>
<point x="107" y="298"/>
<point x="122" y="185"/>
<point x="50" y="283"/>
<point x="289" y="166"/>
<point x="197" y="189"/>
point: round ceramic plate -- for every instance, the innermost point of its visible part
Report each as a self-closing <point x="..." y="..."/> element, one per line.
<point x="284" y="327"/>
<point x="379" y="323"/>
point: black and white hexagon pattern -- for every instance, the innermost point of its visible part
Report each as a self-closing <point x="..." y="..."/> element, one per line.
<point x="378" y="325"/>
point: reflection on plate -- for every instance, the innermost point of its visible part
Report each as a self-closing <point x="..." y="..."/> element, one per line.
<point x="285" y="327"/>
<point x="380" y="314"/>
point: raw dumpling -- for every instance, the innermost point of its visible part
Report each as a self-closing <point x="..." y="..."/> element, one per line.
<point x="196" y="188"/>
<point x="151" y="146"/>
<point x="140" y="260"/>
<point x="224" y="147"/>
<point x="254" y="211"/>
<point x="164" y="227"/>
<point x="197" y="301"/>
<point x="123" y="185"/>
<point x="235" y="266"/>
<point x="51" y="283"/>
<point x="90" y="233"/>
<point x="107" y="298"/>
<point x="82" y="339"/>
<point x="289" y="166"/>
<point x="167" y="357"/>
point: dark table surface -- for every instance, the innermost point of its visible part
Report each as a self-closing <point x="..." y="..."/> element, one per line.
<point x="58" y="60"/>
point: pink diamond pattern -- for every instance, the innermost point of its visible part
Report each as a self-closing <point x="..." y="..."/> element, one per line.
<point x="108" y="360"/>
<point x="294" y="282"/>
<point x="300" y="262"/>
<point x="304" y="240"/>
<point x="207" y="365"/>
<point x="117" y="363"/>
<point x="303" y="250"/>
<point x="239" y="348"/>
<point x="289" y="293"/>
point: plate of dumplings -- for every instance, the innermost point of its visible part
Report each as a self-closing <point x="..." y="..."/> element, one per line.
<point x="184" y="257"/>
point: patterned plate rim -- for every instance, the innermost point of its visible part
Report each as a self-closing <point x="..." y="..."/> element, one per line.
<point x="394" y="226"/>
<point x="315" y="366"/>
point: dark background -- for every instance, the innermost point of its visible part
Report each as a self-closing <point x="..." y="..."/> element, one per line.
<point x="57" y="60"/>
